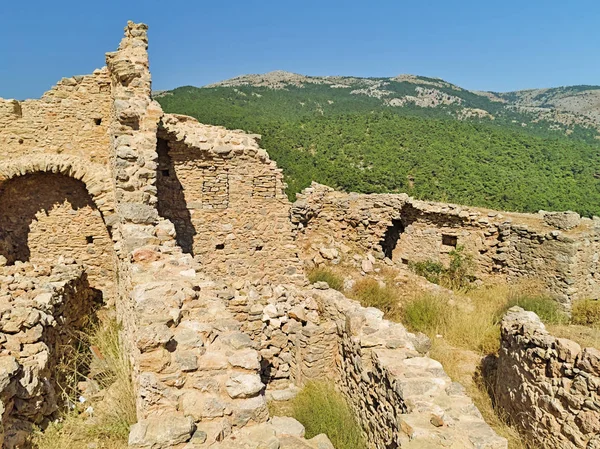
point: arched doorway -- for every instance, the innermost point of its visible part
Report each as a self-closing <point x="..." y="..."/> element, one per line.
<point x="45" y="216"/>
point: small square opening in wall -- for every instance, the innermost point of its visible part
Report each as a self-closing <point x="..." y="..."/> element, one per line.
<point x="89" y="239"/>
<point x="220" y="246"/>
<point x="259" y="248"/>
<point x="98" y="121"/>
<point x="165" y="173"/>
<point x="449" y="240"/>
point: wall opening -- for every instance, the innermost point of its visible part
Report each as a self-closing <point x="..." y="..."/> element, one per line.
<point x="171" y="199"/>
<point x="47" y="215"/>
<point x="449" y="240"/>
<point x="391" y="237"/>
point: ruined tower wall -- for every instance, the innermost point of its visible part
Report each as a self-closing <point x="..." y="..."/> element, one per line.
<point x="70" y="119"/>
<point x="227" y="201"/>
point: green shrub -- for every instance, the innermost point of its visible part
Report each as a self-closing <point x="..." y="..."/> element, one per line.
<point x="456" y="276"/>
<point x="429" y="269"/>
<point x="549" y="311"/>
<point x="321" y="409"/>
<point x="371" y="294"/>
<point x="325" y="275"/>
<point x="586" y="312"/>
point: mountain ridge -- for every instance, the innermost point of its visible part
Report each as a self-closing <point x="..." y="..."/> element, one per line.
<point x="564" y="105"/>
<point x="520" y="151"/>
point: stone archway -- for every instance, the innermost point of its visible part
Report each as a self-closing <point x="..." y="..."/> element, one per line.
<point x="53" y="206"/>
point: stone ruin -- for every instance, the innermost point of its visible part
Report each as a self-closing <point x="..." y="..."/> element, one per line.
<point x="185" y="229"/>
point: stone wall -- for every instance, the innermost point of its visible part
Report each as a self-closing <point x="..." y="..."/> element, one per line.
<point x="400" y="396"/>
<point x="70" y="119"/>
<point x="45" y="216"/>
<point x="548" y="386"/>
<point x="227" y="201"/>
<point x="41" y="308"/>
<point x="404" y="230"/>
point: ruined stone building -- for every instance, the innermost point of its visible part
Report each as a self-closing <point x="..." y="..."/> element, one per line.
<point x="186" y="230"/>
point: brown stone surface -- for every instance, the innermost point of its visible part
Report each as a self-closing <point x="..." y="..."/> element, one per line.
<point x="503" y="245"/>
<point x="547" y="385"/>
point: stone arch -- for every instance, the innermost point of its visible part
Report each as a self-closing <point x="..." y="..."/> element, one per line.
<point x="52" y="206"/>
<point x="96" y="177"/>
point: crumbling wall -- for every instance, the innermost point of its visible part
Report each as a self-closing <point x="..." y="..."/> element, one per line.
<point x="503" y="245"/>
<point x="398" y="394"/>
<point x="44" y="216"/>
<point x="548" y="386"/>
<point x="227" y="201"/>
<point x="70" y="119"/>
<point x="41" y="309"/>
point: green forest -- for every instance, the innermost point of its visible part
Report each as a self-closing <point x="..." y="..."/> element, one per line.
<point x="354" y="143"/>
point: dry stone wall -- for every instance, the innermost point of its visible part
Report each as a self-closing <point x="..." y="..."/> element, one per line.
<point x="41" y="308"/>
<point x="70" y="119"/>
<point x="227" y="201"/>
<point x="401" y="397"/>
<point x="215" y="310"/>
<point x="561" y="250"/>
<point x="550" y="387"/>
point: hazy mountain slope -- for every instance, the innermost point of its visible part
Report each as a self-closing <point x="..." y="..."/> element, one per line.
<point x="516" y="151"/>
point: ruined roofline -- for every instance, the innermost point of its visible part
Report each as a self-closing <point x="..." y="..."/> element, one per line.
<point x="542" y="220"/>
<point x="218" y="141"/>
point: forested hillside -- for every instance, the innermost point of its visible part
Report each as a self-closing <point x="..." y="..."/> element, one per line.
<point x="432" y="140"/>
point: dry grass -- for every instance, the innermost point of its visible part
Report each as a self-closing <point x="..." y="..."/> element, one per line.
<point x="370" y="293"/>
<point x="584" y="335"/>
<point x="113" y="406"/>
<point x="586" y="312"/>
<point x="463" y="366"/>
<point x="471" y="319"/>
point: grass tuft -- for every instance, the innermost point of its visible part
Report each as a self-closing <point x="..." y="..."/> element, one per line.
<point x="114" y="408"/>
<point x="371" y="294"/>
<point x="586" y="312"/>
<point x="322" y="409"/>
<point x="319" y="274"/>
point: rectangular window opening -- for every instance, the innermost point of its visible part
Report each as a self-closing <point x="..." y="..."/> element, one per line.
<point x="449" y="240"/>
<point x="89" y="239"/>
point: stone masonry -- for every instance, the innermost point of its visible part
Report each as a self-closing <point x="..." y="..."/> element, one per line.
<point x="560" y="249"/>
<point x="185" y="229"/>
<point x="550" y="387"/>
<point x="41" y="308"/>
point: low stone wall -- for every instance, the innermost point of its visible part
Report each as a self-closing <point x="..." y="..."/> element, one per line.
<point x="399" y="395"/>
<point x="548" y="386"/>
<point x="561" y="250"/>
<point x="40" y="310"/>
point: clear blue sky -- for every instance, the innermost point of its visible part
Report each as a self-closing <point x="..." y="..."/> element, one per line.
<point x="496" y="45"/>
